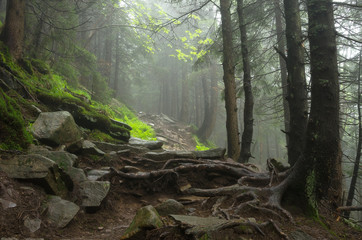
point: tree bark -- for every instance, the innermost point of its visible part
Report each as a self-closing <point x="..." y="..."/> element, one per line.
<point x="229" y="82"/>
<point x="353" y="186"/>
<point x="184" y="113"/>
<point x="297" y="96"/>
<point x="283" y="67"/>
<point x="13" y="32"/>
<point x="247" y="136"/>
<point x="323" y="140"/>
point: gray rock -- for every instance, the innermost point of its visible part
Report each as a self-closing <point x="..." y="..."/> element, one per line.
<point x="93" y="192"/>
<point x="65" y="161"/>
<point x="146" y="218"/>
<point x="121" y="124"/>
<point x="32" y="224"/>
<point x="160" y="156"/>
<point x="216" y="153"/>
<point x="109" y="147"/>
<point x="170" y="206"/>
<point x="56" y="128"/>
<point x="90" y="148"/>
<point x="7" y="204"/>
<point x="61" y="212"/>
<point x="42" y="170"/>
<point x="95" y="175"/>
<point x="152" y="145"/>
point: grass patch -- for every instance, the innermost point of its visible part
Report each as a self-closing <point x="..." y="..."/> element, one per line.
<point x="200" y="146"/>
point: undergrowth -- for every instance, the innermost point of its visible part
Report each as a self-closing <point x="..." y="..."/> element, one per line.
<point x="200" y="146"/>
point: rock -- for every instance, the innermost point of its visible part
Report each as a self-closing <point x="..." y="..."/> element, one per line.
<point x="300" y="235"/>
<point x="39" y="169"/>
<point x="217" y="153"/>
<point x="109" y="147"/>
<point x="32" y="224"/>
<point x="121" y="124"/>
<point x="89" y="148"/>
<point x="65" y="161"/>
<point x="7" y="204"/>
<point x="61" y="212"/>
<point x="146" y="218"/>
<point x="152" y="145"/>
<point x="93" y="192"/>
<point x="56" y="128"/>
<point x="95" y="175"/>
<point x="170" y="206"/>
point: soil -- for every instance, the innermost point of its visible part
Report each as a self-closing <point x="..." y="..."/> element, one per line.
<point x="127" y="196"/>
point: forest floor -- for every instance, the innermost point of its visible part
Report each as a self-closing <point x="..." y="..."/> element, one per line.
<point x="127" y="196"/>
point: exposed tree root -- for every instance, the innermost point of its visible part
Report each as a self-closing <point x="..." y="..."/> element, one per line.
<point x="255" y="190"/>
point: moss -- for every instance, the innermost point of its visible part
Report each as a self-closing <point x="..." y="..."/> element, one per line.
<point x="97" y="135"/>
<point x="12" y="127"/>
<point x="312" y="207"/>
<point x="41" y="66"/>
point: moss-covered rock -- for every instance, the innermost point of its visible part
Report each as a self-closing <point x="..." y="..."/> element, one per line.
<point x="12" y="126"/>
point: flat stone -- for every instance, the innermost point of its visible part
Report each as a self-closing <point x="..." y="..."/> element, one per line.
<point x="109" y="147"/>
<point x="95" y="175"/>
<point x="40" y="169"/>
<point x="152" y="145"/>
<point x="61" y="212"/>
<point x="300" y="235"/>
<point x="217" y="153"/>
<point x="93" y="192"/>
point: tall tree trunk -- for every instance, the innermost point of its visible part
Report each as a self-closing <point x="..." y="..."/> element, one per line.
<point x="13" y="32"/>
<point x="297" y="96"/>
<point x="323" y="140"/>
<point x="108" y="44"/>
<point x="116" y="68"/>
<point x="283" y="66"/>
<point x="353" y="186"/>
<point x="184" y="113"/>
<point x="229" y="82"/>
<point x="247" y="136"/>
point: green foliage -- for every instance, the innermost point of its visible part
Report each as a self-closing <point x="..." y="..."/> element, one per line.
<point x="97" y="135"/>
<point x="199" y="145"/>
<point x="311" y="194"/>
<point x="12" y="127"/>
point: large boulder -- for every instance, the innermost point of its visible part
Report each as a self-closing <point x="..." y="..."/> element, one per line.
<point x="61" y="212"/>
<point x="170" y="206"/>
<point x="56" y="128"/>
<point x="93" y="192"/>
<point x="38" y="169"/>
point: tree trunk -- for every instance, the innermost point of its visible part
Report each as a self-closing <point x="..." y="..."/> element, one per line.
<point x="297" y="96"/>
<point x="13" y="32"/>
<point x="283" y="67"/>
<point x="184" y="113"/>
<point x="229" y="81"/>
<point x="247" y="136"/>
<point x="116" y="68"/>
<point x="353" y="186"/>
<point x="323" y="140"/>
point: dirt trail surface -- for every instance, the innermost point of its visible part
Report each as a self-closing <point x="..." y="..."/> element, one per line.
<point x="137" y="181"/>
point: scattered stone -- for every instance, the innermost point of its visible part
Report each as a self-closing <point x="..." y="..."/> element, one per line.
<point x="109" y="147"/>
<point x="95" y="175"/>
<point x="146" y="218"/>
<point x="32" y="224"/>
<point x="56" y="128"/>
<point x="40" y="169"/>
<point x="7" y="204"/>
<point x="208" y="154"/>
<point x="152" y="145"/>
<point x="170" y="206"/>
<point x="89" y="148"/>
<point x="93" y="192"/>
<point x="61" y="212"/>
<point x="160" y="156"/>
